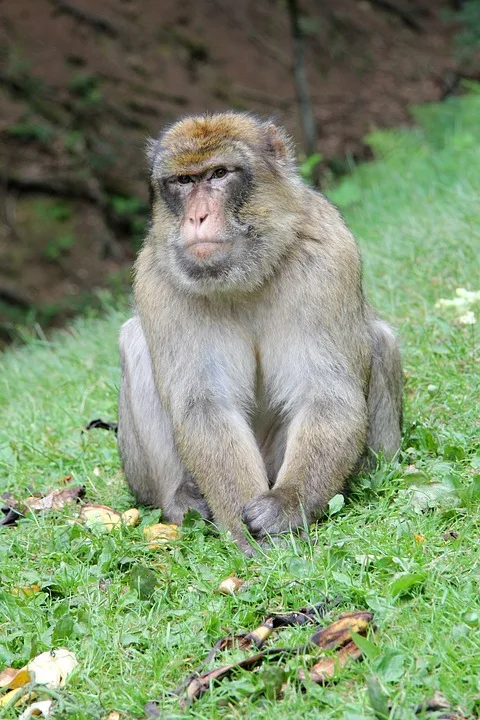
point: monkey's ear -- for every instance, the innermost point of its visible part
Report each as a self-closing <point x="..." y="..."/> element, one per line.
<point x="279" y="145"/>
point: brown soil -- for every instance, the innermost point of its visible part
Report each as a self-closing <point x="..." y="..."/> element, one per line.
<point x="83" y="82"/>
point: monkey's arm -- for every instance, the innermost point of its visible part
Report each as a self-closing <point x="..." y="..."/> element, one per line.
<point x="325" y="439"/>
<point x="219" y="449"/>
<point x="204" y="372"/>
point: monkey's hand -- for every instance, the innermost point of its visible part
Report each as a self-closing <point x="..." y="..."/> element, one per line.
<point x="270" y="514"/>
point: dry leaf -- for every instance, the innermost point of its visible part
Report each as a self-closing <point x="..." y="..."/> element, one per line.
<point x="56" y="499"/>
<point x="11" y="678"/>
<point x="419" y="538"/>
<point x="230" y="585"/>
<point x="25" y="590"/>
<point x="10" y="697"/>
<point x="131" y="517"/>
<point x="160" y="534"/>
<point x="100" y="514"/>
<point x="41" y="708"/>
<point x="114" y="715"/>
<point x="52" y="668"/>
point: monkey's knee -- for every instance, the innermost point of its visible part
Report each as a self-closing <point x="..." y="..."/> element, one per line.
<point x="150" y="460"/>
<point x="385" y="393"/>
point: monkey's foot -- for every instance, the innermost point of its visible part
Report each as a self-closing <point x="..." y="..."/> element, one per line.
<point x="266" y="514"/>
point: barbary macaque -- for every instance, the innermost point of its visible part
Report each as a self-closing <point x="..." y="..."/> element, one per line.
<point x="255" y="377"/>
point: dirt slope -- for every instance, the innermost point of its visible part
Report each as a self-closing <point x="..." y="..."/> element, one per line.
<point x="83" y="82"/>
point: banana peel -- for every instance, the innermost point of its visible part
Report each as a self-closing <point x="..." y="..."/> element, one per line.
<point x="338" y="633"/>
<point x="50" y="669"/>
<point x="160" y="534"/>
<point x="327" y="668"/>
<point x="335" y="636"/>
<point x="230" y="585"/>
<point x="107" y="517"/>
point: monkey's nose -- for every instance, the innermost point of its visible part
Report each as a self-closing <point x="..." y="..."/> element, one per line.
<point x="198" y="219"/>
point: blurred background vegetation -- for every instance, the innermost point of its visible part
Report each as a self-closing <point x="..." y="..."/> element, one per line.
<point x="83" y="82"/>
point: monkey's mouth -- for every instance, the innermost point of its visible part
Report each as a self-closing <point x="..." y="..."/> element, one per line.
<point x="203" y="249"/>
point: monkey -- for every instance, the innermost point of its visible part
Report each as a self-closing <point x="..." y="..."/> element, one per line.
<point x="256" y="378"/>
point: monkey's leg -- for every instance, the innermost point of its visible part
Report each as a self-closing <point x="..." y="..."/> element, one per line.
<point x="151" y="463"/>
<point x="324" y="441"/>
<point x="384" y="392"/>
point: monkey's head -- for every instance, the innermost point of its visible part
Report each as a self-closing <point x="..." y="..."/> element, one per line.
<point x="224" y="200"/>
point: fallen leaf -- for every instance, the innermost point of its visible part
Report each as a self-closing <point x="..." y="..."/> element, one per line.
<point x="325" y="670"/>
<point x="160" y="534"/>
<point x="67" y="479"/>
<point x="56" y="499"/>
<point x="11" y="678"/>
<point x="25" y="590"/>
<point x="230" y="585"/>
<point x="131" y="517"/>
<point x="52" y="668"/>
<point x="100" y="515"/>
<point x="11" y="697"/>
<point x="41" y="708"/>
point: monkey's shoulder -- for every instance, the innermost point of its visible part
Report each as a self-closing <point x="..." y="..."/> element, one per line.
<point x="322" y="223"/>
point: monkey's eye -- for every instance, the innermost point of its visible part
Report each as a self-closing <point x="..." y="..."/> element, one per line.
<point x="219" y="173"/>
<point x="184" y="179"/>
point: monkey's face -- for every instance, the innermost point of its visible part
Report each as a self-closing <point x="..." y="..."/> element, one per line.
<point x="220" y="196"/>
<point x="207" y="236"/>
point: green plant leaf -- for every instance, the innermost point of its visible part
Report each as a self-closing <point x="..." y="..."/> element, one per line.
<point x="336" y="504"/>
<point x="378" y="699"/>
<point x="406" y="582"/>
<point x="63" y="629"/>
<point x="391" y="665"/>
<point x="144" y="581"/>
<point x="368" y="648"/>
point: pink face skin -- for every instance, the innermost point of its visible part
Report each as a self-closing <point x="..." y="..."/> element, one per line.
<point x="203" y="226"/>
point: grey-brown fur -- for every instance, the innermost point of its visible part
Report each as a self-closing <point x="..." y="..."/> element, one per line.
<point x="252" y="396"/>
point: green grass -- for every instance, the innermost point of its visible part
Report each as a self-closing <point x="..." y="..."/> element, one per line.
<point x="416" y="214"/>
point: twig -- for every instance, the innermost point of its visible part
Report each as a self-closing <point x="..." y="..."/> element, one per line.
<point x="300" y="77"/>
